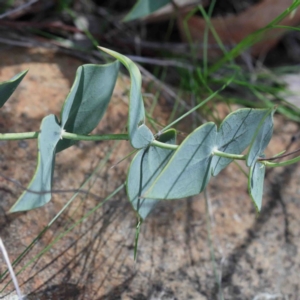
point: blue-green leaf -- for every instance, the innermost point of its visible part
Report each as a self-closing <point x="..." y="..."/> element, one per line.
<point x="256" y="183"/>
<point x="88" y="99"/>
<point x="236" y="133"/>
<point x="145" y="7"/>
<point x="139" y="134"/>
<point x="261" y="138"/>
<point x="189" y="170"/>
<point x="38" y="192"/>
<point x="144" y="168"/>
<point x="8" y="87"/>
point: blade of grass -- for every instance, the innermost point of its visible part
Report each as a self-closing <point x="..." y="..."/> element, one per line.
<point x="199" y="105"/>
<point x="211" y="245"/>
<point x="251" y="39"/>
<point x="11" y="270"/>
<point x="101" y="164"/>
<point x="61" y="235"/>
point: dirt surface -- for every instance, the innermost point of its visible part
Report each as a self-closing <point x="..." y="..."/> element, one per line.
<point x="256" y="256"/>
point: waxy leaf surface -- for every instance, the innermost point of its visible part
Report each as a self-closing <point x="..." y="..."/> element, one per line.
<point x="88" y="99"/>
<point x="256" y="183"/>
<point x="189" y="170"/>
<point x="41" y="184"/>
<point x="144" y="169"/>
<point x="261" y="138"/>
<point x="145" y="7"/>
<point x="8" y="87"/>
<point x="139" y="134"/>
<point x="235" y="134"/>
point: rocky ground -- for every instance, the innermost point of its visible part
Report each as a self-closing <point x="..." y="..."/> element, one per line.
<point x="256" y="257"/>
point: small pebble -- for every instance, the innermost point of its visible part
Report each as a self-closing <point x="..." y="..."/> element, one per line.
<point x="23" y="144"/>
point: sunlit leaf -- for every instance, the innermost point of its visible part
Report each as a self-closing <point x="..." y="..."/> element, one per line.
<point x="8" y="87"/>
<point x="189" y="170"/>
<point x="88" y="99"/>
<point x="261" y="138"/>
<point x="256" y="183"/>
<point x="39" y="190"/>
<point x="139" y="134"/>
<point x="236" y="133"/>
<point x="145" y="7"/>
<point x="144" y="168"/>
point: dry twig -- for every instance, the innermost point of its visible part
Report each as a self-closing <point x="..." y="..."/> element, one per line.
<point x="18" y="9"/>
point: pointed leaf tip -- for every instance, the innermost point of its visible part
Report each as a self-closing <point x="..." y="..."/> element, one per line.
<point x="189" y="170"/>
<point x="8" y="87"/>
<point x="139" y="134"/>
<point x="41" y="182"/>
<point x="261" y="138"/>
<point x="256" y="184"/>
<point x="144" y="168"/>
<point x="145" y="7"/>
<point x="235" y="134"/>
<point x="88" y="99"/>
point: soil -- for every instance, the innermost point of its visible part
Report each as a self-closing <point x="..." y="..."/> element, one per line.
<point x="256" y="256"/>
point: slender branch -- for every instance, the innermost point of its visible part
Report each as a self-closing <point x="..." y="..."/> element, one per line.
<point x="17" y="9"/>
<point x="104" y="137"/>
<point x="266" y="163"/>
<point x="161" y="62"/>
<point x="65" y="135"/>
<point x="19" y="136"/>
<point x="215" y="152"/>
<point x="282" y="163"/>
<point x="229" y="155"/>
<point x="163" y="145"/>
<point x="280" y="156"/>
<point x="232" y="156"/>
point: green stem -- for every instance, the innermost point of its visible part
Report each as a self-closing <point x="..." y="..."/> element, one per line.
<point x="163" y="145"/>
<point x="107" y="137"/>
<point x="232" y="156"/>
<point x="229" y="155"/>
<point x="215" y="152"/>
<point x="282" y="163"/>
<point x="65" y="135"/>
<point x="19" y="136"/>
<point x="104" y="137"/>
